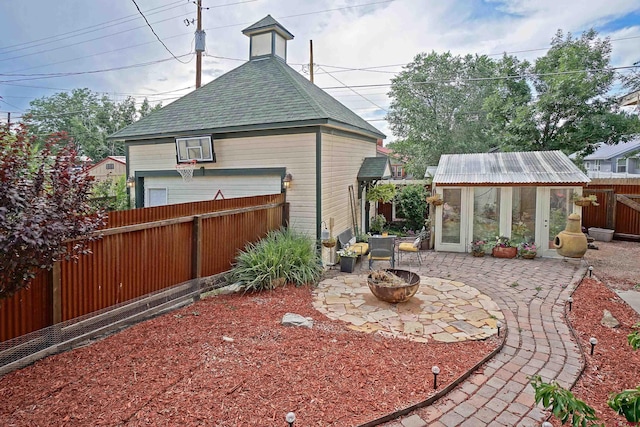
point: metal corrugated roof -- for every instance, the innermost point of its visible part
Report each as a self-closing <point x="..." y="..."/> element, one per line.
<point x="606" y="152"/>
<point x="530" y="167"/>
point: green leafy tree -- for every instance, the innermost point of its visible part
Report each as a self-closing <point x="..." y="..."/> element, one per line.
<point x="111" y="194"/>
<point x="445" y="104"/>
<point x="574" y="111"/>
<point x="87" y="117"/>
<point x="438" y="106"/>
<point x="43" y="203"/>
<point x="412" y="205"/>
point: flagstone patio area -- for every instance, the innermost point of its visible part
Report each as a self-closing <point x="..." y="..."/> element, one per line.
<point x="442" y="310"/>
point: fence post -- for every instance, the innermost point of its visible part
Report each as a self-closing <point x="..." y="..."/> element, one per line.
<point x="196" y="251"/>
<point x="285" y="215"/>
<point x="56" y="301"/>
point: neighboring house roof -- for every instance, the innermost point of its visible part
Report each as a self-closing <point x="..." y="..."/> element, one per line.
<point x="260" y="94"/>
<point x="531" y="167"/>
<point x="384" y="150"/>
<point x="632" y="98"/>
<point x="606" y="152"/>
<point x="119" y="159"/>
<point x="374" y="168"/>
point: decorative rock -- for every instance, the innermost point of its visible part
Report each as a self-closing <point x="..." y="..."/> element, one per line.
<point x="292" y="319"/>
<point x="227" y="339"/>
<point x="227" y="290"/>
<point x="608" y="320"/>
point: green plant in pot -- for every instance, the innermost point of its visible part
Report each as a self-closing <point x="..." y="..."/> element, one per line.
<point x="503" y="248"/>
<point x="478" y="247"/>
<point x="348" y="258"/>
<point x="377" y="224"/>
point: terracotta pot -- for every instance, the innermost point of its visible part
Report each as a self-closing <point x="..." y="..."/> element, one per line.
<point x="396" y="294"/>
<point x="528" y="256"/>
<point x="571" y="242"/>
<point x="499" y="252"/>
<point x="477" y="253"/>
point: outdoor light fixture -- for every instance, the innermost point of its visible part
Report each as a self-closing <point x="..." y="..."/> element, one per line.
<point x="290" y="418"/>
<point x="570" y="301"/>
<point x="498" y="325"/>
<point x="287" y="181"/>
<point x="593" y="343"/>
<point x="131" y="182"/>
<point x="590" y="270"/>
<point x="547" y="424"/>
<point x="435" y="371"/>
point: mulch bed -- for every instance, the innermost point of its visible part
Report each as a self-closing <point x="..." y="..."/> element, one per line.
<point x="614" y="365"/>
<point x="179" y="369"/>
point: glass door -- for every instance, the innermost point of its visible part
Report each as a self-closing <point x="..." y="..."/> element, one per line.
<point x="555" y="205"/>
<point x="451" y="229"/>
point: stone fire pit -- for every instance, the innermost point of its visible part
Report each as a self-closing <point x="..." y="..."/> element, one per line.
<point x="398" y="286"/>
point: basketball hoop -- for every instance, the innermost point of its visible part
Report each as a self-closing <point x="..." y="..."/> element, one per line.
<point x="186" y="170"/>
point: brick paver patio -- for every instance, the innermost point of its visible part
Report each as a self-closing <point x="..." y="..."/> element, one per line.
<point x="531" y="295"/>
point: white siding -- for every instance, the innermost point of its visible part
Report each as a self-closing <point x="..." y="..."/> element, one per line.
<point x="294" y="152"/>
<point x="152" y="157"/>
<point x="341" y="161"/>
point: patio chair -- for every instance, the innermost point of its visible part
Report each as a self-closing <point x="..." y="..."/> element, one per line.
<point x="382" y="249"/>
<point x="347" y="239"/>
<point x="412" y="247"/>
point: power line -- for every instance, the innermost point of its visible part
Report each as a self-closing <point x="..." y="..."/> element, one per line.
<point x="360" y="95"/>
<point x="55" y="75"/>
<point x="91" y="28"/>
<point x="155" y="34"/>
<point x="475" y="79"/>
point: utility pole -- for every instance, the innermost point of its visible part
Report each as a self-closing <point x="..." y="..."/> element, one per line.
<point x="199" y="48"/>
<point x="311" y="60"/>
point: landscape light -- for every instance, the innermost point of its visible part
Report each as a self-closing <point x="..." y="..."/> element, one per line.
<point x="435" y="371"/>
<point x="498" y="325"/>
<point x="593" y="343"/>
<point x="290" y="418"/>
<point x="590" y="270"/>
<point x="570" y="301"/>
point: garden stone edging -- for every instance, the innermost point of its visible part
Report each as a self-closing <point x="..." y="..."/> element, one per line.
<point x="441" y="393"/>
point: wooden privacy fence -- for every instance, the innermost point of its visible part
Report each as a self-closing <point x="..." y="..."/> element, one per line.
<point x="143" y="251"/>
<point x="619" y="207"/>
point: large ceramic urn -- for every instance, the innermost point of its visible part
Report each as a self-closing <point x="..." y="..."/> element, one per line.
<point x="572" y="242"/>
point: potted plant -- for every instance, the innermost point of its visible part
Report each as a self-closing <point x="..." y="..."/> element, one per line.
<point x="435" y="200"/>
<point x="581" y="200"/>
<point x="377" y="223"/>
<point x="503" y="248"/>
<point x="329" y="243"/>
<point x="348" y="258"/>
<point x="527" y="250"/>
<point x="478" y="248"/>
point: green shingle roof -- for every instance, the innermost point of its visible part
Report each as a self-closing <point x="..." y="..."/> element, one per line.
<point x="374" y="168"/>
<point x="268" y="22"/>
<point x="260" y="94"/>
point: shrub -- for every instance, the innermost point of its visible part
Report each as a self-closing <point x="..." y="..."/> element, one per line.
<point x="412" y="203"/>
<point x="282" y="256"/>
<point x="563" y="404"/>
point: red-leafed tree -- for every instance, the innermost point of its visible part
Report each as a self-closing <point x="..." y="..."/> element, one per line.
<point x="43" y="203"/>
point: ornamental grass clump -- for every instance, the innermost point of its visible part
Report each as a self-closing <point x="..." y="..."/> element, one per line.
<point x="283" y="256"/>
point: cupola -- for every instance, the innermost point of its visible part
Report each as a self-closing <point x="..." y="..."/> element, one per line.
<point x="268" y="38"/>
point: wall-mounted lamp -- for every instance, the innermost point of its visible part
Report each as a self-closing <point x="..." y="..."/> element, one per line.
<point x="131" y="182"/>
<point x="287" y="181"/>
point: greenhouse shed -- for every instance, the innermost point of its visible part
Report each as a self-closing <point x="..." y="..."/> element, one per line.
<point x="525" y="196"/>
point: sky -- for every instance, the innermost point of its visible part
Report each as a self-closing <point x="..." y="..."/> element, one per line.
<point x="49" y="46"/>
